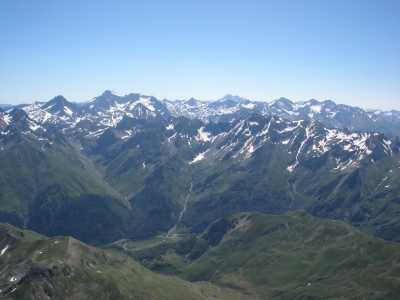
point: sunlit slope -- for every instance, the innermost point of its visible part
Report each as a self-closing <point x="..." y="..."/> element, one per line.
<point x="31" y="168"/>
<point x="46" y="185"/>
<point x="290" y="256"/>
<point x="36" y="267"/>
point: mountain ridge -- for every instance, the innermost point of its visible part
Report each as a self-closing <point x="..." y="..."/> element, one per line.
<point x="108" y="109"/>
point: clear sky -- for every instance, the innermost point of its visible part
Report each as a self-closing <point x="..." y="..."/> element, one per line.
<point x="347" y="51"/>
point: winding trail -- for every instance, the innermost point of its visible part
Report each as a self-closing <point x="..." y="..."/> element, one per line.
<point x="119" y="241"/>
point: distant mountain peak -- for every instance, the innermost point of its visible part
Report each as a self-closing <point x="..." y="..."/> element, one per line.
<point x="235" y="98"/>
<point x="106" y="100"/>
<point x="313" y="101"/>
<point x="281" y="103"/>
<point x="18" y="115"/>
<point x="330" y="102"/>
<point x="59" y="105"/>
<point x="20" y="119"/>
<point x="6" y="106"/>
<point x="110" y="93"/>
<point x="58" y="99"/>
<point x="191" y="101"/>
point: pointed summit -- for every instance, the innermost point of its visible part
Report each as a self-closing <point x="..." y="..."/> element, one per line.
<point x="282" y="103"/>
<point x="18" y="115"/>
<point x="191" y="101"/>
<point x="20" y="119"/>
<point x="106" y="100"/>
<point x="61" y="106"/>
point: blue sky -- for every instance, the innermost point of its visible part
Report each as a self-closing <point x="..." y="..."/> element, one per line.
<point x="346" y="51"/>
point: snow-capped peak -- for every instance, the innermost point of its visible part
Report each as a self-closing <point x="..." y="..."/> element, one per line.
<point x="235" y="98"/>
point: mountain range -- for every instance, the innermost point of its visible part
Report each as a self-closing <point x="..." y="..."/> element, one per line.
<point x="130" y="168"/>
<point x="128" y="160"/>
<point x="332" y="115"/>
<point x="109" y="108"/>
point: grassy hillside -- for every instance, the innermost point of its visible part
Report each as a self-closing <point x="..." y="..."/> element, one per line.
<point x="35" y="267"/>
<point x="47" y="186"/>
<point x="291" y="256"/>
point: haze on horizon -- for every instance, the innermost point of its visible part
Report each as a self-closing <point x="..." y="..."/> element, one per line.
<point x="345" y="51"/>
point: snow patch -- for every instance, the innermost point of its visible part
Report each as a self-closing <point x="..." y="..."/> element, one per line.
<point x="33" y="126"/>
<point x="285" y="142"/>
<point x="68" y="111"/>
<point x="248" y="105"/>
<point x="203" y="136"/>
<point x="316" y="108"/>
<point x="7" y="119"/>
<point x="198" y="157"/>
<point x="145" y="101"/>
<point x="4" y="250"/>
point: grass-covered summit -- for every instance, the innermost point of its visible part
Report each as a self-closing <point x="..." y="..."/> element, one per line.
<point x="35" y="267"/>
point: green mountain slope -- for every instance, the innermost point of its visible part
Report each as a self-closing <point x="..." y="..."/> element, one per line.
<point x="291" y="256"/>
<point x="363" y="192"/>
<point x="36" y="267"/>
<point x="47" y="186"/>
<point x="269" y="165"/>
<point x="151" y="169"/>
<point x="185" y="173"/>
